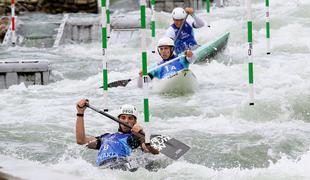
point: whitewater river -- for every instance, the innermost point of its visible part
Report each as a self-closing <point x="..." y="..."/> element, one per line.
<point x="228" y="138"/>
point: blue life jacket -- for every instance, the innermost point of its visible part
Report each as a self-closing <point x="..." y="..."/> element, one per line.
<point x="113" y="146"/>
<point x="185" y="40"/>
<point x="170" y="69"/>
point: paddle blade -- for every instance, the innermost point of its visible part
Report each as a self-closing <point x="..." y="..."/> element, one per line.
<point x="118" y="83"/>
<point x="168" y="146"/>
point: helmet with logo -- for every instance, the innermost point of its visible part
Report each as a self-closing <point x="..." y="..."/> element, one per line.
<point x="178" y="13"/>
<point x="165" y="41"/>
<point x="128" y="109"/>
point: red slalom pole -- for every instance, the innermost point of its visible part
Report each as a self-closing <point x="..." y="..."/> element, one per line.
<point x="13" y="22"/>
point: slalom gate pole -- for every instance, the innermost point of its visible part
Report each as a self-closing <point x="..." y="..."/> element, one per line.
<point x="108" y="18"/>
<point x="104" y="53"/>
<point x="13" y="40"/>
<point x="208" y="12"/>
<point x="153" y="25"/>
<point x="267" y="26"/>
<point x="144" y="69"/>
<point x="250" y="51"/>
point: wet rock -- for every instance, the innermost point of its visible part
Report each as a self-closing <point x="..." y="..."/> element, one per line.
<point x="4" y="25"/>
<point x="50" y="6"/>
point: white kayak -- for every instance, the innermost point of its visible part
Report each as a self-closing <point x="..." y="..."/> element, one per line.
<point x="183" y="82"/>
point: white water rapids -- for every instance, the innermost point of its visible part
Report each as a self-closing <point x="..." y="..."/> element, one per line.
<point x="228" y="138"/>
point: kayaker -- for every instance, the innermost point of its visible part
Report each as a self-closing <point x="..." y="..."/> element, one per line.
<point x="186" y="39"/>
<point x="114" y="148"/>
<point x="165" y="49"/>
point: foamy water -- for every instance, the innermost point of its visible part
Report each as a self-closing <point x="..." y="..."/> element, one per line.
<point x="228" y="138"/>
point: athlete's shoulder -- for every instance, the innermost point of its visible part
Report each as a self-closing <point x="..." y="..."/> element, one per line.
<point x="170" y="32"/>
<point x="103" y="135"/>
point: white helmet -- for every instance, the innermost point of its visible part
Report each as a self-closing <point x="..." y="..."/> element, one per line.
<point x="178" y="13"/>
<point x="165" y="41"/>
<point x="128" y="109"/>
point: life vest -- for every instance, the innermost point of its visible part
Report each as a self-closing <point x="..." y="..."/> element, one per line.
<point x="170" y="69"/>
<point x="185" y="40"/>
<point x="113" y="146"/>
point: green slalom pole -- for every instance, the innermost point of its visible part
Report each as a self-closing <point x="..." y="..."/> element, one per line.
<point x="208" y="12"/>
<point x="108" y="18"/>
<point x="104" y="53"/>
<point x="144" y="69"/>
<point x="153" y="25"/>
<point x="250" y="51"/>
<point x="267" y="26"/>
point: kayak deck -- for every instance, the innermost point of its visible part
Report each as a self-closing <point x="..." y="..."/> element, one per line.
<point x="210" y="49"/>
<point x="183" y="82"/>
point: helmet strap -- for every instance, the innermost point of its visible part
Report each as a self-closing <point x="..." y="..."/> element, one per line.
<point x="171" y="49"/>
<point x="119" y="128"/>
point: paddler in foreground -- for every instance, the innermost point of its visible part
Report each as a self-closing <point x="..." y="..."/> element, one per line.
<point x="114" y="148"/>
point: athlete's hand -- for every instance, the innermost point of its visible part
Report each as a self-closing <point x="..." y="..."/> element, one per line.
<point x="189" y="10"/>
<point x="188" y="53"/>
<point x="81" y="105"/>
<point x="140" y="73"/>
<point x="136" y="128"/>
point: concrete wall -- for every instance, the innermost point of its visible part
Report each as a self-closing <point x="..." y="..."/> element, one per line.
<point x="29" y="72"/>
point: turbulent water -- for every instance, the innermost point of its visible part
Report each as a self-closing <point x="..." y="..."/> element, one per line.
<point x="228" y="138"/>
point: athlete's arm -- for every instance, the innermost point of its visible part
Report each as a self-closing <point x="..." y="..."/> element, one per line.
<point x="154" y="73"/>
<point x="170" y="33"/>
<point x="138" y="131"/>
<point x="190" y="57"/>
<point x="198" y="23"/>
<point x="150" y="74"/>
<point x="81" y="138"/>
<point x="94" y="144"/>
<point x="149" y="148"/>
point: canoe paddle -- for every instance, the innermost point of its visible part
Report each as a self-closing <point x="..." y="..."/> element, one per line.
<point x="166" y="145"/>
<point x="181" y="27"/>
<point x="124" y="82"/>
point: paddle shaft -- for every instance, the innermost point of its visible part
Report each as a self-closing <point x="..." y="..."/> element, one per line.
<point x="164" y="64"/>
<point x="126" y="81"/>
<point x="179" y="32"/>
